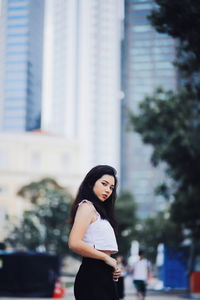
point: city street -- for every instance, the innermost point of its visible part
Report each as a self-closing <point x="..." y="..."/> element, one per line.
<point x="129" y="296"/>
<point x="129" y="292"/>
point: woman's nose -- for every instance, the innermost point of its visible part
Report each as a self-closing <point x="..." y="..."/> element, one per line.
<point x="107" y="189"/>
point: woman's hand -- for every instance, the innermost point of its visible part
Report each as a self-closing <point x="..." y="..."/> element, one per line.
<point x="110" y="261"/>
<point x="113" y="263"/>
<point x="116" y="274"/>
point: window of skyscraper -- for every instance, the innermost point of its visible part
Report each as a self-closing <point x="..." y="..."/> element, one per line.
<point x="166" y="73"/>
<point x="17" y="17"/>
<point x="16" y="1"/>
<point x="16" y="26"/>
<point x="140" y="20"/>
<point x="142" y="28"/>
<point x="140" y="13"/>
<point x="141" y="36"/>
<point x="164" y="42"/>
<point x="142" y="6"/>
<point x="138" y="43"/>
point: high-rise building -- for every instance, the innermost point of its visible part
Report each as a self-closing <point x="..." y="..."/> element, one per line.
<point x="82" y="75"/>
<point x="147" y="58"/>
<point x="21" y="51"/>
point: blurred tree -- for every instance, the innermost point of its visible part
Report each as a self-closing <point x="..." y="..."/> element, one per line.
<point x="181" y="20"/>
<point x="44" y="226"/>
<point x="155" y="230"/>
<point x="125" y="212"/>
<point x="170" y="122"/>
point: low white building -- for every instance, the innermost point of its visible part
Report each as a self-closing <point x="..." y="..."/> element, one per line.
<point x="31" y="156"/>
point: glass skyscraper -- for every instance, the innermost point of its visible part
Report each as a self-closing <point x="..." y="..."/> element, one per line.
<point x="82" y="93"/>
<point x="21" y="52"/>
<point x="147" y="58"/>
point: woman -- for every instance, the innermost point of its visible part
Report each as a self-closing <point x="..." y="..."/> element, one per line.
<point x="92" y="235"/>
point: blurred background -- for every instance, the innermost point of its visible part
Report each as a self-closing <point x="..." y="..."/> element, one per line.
<point x="88" y="82"/>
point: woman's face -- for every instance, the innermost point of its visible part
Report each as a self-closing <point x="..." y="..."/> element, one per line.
<point x="104" y="186"/>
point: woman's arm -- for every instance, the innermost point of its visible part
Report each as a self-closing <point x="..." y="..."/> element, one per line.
<point x="84" y="216"/>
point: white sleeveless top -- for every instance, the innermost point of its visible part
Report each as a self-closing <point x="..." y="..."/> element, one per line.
<point x="100" y="234"/>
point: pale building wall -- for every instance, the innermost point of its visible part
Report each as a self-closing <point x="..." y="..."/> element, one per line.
<point x="30" y="157"/>
<point x="81" y="95"/>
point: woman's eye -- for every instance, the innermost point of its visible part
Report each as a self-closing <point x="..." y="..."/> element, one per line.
<point x="105" y="184"/>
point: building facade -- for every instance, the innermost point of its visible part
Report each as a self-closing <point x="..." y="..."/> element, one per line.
<point x="83" y="99"/>
<point x="147" y="58"/>
<point x="21" y="52"/>
<point x="32" y="156"/>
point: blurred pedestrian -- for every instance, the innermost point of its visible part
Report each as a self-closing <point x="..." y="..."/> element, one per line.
<point x="120" y="283"/>
<point x="93" y="236"/>
<point x="140" y="275"/>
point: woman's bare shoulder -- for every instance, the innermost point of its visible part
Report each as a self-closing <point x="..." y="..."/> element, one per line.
<point x="86" y="206"/>
<point x="87" y="202"/>
<point x="85" y="212"/>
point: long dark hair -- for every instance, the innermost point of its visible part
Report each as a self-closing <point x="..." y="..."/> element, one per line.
<point x="85" y="191"/>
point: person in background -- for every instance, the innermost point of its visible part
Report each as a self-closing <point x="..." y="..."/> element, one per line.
<point x="93" y="235"/>
<point x="140" y="275"/>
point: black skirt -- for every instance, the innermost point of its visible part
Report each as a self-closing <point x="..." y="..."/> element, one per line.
<point x="94" y="281"/>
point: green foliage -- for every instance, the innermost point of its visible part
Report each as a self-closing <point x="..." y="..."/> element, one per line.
<point x="156" y="230"/>
<point x="45" y="224"/>
<point x="185" y="209"/>
<point x="126" y="217"/>
<point x="171" y="124"/>
<point x="181" y="20"/>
